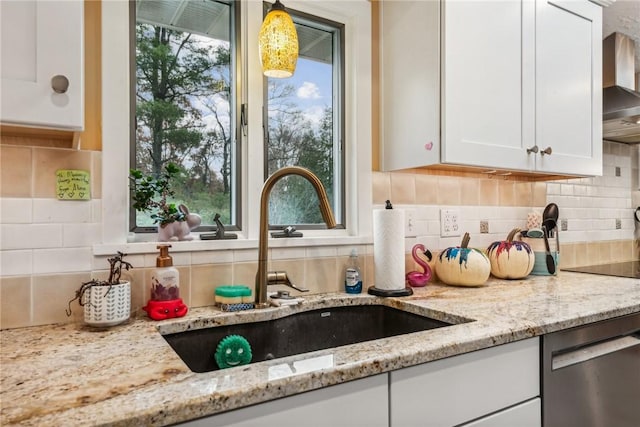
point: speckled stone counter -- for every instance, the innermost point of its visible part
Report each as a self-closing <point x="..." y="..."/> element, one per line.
<point x="128" y="375"/>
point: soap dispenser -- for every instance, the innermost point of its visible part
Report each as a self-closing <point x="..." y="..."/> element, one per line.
<point x="353" y="278"/>
<point x="165" y="302"/>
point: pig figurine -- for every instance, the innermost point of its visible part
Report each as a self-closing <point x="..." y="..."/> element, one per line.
<point x="179" y="230"/>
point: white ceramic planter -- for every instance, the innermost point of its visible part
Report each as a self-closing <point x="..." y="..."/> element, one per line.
<point x="107" y="305"/>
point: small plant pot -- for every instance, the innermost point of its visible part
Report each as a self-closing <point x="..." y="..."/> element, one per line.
<point x="107" y="305"/>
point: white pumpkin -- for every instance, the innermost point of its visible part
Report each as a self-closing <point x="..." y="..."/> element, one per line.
<point x="463" y="266"/>
<point x="511" y="259"/>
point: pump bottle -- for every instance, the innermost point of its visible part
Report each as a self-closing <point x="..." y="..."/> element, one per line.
<point x="353" y="278"/>
<point x="165" y="301"/>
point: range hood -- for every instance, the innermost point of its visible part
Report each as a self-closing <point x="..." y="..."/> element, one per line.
<point x="620" y="102"/>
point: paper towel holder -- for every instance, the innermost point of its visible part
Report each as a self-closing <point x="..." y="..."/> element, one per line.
<point x="403" y="292"/>
<point x="390" y="292"/>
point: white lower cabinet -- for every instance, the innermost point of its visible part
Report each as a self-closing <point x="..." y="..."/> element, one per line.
<point x="495" y="387"/>
<point x="356" y="403"/>
<point x="462" y="388"/>
<point x="526" y="414"/>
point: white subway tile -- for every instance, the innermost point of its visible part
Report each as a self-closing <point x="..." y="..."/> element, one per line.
<point x="77" y="235"/>
<point x="245" y="255"/>
<point x="16" y="263"/>
<point x="553" y="188"/>
<point x="343" y="251"/>
<point x="320" y="251"/>
<point x="16" y="211"/>
<point x="31" y="236"/>
<point x="96" y="210"/>
<point x="420" y="227"/>
<point x="566" y="190"/>
<point x="62" y="260"/>
<point x="429" y="242"/>
<point x="286" y="253"/>
<point x="211" y="257"/>
<point x="428" y="212"/>
<point x="58" y="211"/>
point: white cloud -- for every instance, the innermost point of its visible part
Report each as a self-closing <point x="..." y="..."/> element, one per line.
<point x="314" y="115"/>
<point x="308" y="90"/>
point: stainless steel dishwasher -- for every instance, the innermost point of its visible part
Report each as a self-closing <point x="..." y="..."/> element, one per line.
<point x="591" y="375"/>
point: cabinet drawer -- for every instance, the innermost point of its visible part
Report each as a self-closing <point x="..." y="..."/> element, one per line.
<point x="356" y="403"/>
<point x="527" y="414"/>
<point x="461" y="388"/>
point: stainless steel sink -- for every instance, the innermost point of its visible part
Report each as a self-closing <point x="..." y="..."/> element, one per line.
<point x="300" y="333"/>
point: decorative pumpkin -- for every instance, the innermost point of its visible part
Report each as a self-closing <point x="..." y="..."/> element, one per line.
<point x="511" y="259"/>
<point x="463" y="266"/>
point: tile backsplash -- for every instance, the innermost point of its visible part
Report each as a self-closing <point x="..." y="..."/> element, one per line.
<point x="46" y="244"/>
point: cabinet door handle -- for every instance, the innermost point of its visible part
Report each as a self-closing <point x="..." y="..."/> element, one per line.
<point x="546" y="151"/>
<point x="59" y="83"/>
<point x="533" y="149"/>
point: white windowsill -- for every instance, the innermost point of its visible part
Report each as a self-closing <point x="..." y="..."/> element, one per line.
<point x="223" y="245"/>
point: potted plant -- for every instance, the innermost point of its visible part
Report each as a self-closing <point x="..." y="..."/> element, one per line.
<point x="106" y="302"/>
<point x="150" y="193"/>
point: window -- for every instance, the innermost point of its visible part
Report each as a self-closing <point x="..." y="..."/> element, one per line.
<point x="305" y="118"/>
<point x="185" y="103"/>
<point x="118" y="60"/>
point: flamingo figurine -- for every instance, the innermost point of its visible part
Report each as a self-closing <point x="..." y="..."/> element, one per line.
<point x="415" y="278"/>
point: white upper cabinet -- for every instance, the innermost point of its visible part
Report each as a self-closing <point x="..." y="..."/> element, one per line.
<point x="410" y="83"/>
<point x="569" y="86"/>
<point x="504" y="84"/>
<point x="486" y="121"/>
<point x="42" y="63"/>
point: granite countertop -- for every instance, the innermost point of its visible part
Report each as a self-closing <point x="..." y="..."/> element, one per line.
<point x="128" y="375"/>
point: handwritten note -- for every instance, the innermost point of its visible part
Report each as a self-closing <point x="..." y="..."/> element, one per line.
<point x="73" y="184"/>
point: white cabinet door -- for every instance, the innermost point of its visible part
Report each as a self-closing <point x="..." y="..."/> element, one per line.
<point x="410" y="83"/>
<point x="357" y="403"/>
<point x="488" y="83"/>
<point x="458" y="389"/>
<point x="569" y="86"/>
<point x="527" y="414"/>
<point x="40" y="40"/>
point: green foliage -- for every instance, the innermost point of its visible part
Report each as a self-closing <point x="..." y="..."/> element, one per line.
<point x="179" y="77"/>
<point x="150" y="193"/>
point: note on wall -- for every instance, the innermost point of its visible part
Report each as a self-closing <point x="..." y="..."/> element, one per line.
<point x="73" y="184"/>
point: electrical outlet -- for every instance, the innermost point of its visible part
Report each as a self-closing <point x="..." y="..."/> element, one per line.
<point x="449" y="222"/>
<point x="618" y="223"/>
<point x="564" y="224"/>
<point x="484" y="227"/>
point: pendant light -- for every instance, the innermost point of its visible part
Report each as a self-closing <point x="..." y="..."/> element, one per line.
<point x="278" y="43"/>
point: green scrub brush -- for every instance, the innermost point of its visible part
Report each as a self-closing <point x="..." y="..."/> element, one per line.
<point x="233" y="350"/>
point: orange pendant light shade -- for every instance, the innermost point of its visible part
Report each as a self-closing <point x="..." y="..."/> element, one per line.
<point x="278" y="43"/>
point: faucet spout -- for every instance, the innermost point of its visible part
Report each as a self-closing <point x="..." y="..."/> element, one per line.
<point x="263" y="245"/>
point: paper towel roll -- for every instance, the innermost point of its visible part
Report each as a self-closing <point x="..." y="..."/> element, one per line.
<point x="388" y="248"/>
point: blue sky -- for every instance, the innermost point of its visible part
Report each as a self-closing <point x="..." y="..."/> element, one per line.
<point x="312" y="80"/>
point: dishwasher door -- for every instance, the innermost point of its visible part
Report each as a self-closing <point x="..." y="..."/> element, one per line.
<point x="591" y="375"/>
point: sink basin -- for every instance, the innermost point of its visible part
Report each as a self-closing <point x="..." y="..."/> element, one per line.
<point x="300" y="333"/>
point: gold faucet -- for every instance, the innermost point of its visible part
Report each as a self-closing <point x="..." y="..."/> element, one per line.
<point x="263" y="247"/>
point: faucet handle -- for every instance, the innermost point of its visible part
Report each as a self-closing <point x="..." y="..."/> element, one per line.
<point x="281" y="278"/>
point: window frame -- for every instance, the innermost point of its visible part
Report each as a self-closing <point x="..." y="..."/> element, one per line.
<point x="114" y="204"/>
<point x="338" y="71"/>
<point x="237" y="130"/>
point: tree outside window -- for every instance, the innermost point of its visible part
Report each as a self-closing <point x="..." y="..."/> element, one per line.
<point x="185" y="104"/>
